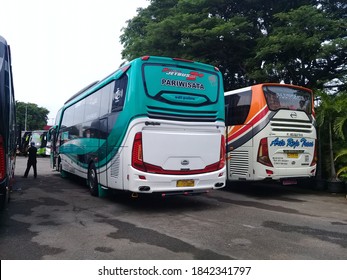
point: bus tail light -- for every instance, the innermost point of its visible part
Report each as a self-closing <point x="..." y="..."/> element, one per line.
<point x="2" y="159"/>
<point x="222" y="153"/>
<point x="182" y="59"/>
<point x="137" y="153"/>
<point x="269" y="172"/>
<point x="315" y="157"/>
<point x="145" y="57"/>
<point x="263" y="153"/>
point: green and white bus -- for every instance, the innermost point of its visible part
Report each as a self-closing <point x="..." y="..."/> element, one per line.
<point x="156" y="125"/>
<point x="39" y="137"/>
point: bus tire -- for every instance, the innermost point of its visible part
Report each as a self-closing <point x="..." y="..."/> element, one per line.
<point x="63" y="173"/>
<point x="93" y="180"/>
<point x="2" y="202"/>
<point x="57" y="164"/>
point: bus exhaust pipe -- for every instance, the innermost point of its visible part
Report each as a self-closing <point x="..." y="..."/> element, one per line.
<point x="144" y="188"/>
<point x="134" y="195"/>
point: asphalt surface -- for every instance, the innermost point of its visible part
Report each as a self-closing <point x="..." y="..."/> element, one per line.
<point x="55" y="218"/>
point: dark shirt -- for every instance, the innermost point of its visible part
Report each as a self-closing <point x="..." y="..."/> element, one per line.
<point x="32" y="154"/>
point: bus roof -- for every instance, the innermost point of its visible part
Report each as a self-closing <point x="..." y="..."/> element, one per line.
<point x="81" y="91"/>
<point x="155" y="59"/>
<point x="235" y="91"/>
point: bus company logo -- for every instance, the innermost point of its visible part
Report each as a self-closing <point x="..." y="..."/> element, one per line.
<point x="191" y="76"/>
<point x="184" y="162"/>
<point x="293" y="115"/>
<point x="182" y="84"/>
<point x="290" y="142"/>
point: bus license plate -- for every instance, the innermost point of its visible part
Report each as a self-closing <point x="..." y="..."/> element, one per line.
<point x="185" y="183"/>
<point x="292" y="155"/>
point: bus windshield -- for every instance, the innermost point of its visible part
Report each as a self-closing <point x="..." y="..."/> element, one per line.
<point x="36" y="137"/>
<point x="281" y="97"/>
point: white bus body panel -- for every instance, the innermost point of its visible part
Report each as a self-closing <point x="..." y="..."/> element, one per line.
<point x="169" y="145"/>
<point x="291" y="143"/>
<point x="168" y="149"/>
<point x="174" y="146"/>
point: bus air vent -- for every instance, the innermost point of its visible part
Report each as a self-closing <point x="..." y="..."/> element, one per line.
<point x="181" y="115"/>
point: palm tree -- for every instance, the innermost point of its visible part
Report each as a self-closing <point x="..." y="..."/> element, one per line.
<point x="342" y="170"/>
<point x="332" y="115"/>
<point x="340" y="132"/>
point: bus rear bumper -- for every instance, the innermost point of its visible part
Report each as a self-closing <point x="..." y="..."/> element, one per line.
<point x="286" y="173"/>
<point x="142" y="182"/>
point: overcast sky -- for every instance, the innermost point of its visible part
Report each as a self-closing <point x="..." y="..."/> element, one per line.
<point x="60" y="46"/>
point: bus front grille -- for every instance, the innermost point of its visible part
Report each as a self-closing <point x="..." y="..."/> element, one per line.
<point x="181" y="115"/>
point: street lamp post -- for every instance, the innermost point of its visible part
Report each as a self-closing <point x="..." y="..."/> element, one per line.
<point x="26" y="117"/>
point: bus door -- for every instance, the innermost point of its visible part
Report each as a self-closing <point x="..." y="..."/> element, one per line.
<point x="52" y="145"/>
<point x="240" y="152"/>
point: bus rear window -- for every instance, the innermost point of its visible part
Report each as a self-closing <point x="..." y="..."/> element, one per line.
<point x="181" y="84"/>
<point x="281" y="97"/>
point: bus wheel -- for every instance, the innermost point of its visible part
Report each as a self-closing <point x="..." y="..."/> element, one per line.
<point x="2" y="202"/>
<point x="63" y="173"/>
<point x="93" y="180"/>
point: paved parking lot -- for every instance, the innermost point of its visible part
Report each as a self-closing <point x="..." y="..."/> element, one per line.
<point x="55" y="218"/>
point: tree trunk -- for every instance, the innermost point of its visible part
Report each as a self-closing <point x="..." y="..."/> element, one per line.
<point x="332" y="164"/>
<point x="319" y="163"/>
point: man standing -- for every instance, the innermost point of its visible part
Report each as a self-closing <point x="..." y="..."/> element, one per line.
<point x="31" y="160"/>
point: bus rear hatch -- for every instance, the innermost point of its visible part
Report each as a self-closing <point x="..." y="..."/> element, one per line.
<point x="179" y="152"/>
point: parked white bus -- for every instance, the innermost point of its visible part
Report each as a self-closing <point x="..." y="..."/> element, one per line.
<point x="271" y="133"/>
<point x="154" y="126"/>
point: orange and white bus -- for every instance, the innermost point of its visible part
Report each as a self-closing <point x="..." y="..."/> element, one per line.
<point x="271" y="133"/>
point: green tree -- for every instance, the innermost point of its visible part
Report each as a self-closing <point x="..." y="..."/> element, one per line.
<point x="341" y="157"/>
<point x="331" y="120"/>
<point x="223" y="33"/>
<point x="251" y="41"/>
<point x="197" y="30"/>
<point x="307" y="47"/>
<point x="30" y="114"/>
<point x="340" y="131"/>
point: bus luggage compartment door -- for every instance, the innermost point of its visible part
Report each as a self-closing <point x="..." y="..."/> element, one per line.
<point x="181" y="149"/>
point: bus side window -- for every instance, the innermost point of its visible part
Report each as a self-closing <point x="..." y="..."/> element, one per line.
<point x="105" y="104"/>
<point x="68" y="117"/>
<point x="92" y="106"/>
<point x="119" y="93"/>
<point x="238" y="107"/>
